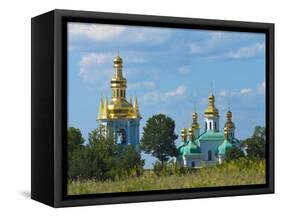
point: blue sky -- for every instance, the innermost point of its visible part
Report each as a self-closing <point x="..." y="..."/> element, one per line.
<point x="171" y="71"/>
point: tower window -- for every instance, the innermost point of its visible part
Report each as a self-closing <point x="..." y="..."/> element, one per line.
<point x="210" y="125"/>
<point x="117" y="93"/>
<point x="206" y="126"/>
<point x="215" y="125"/>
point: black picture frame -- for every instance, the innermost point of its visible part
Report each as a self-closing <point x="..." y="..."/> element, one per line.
<point x="49" y="91"/>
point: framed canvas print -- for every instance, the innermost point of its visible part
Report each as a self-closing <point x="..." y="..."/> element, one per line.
<point x="134" y="108"/>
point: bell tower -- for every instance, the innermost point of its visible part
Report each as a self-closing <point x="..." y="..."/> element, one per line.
<point x="212" y="115"/>
<point x="121" y="116"/>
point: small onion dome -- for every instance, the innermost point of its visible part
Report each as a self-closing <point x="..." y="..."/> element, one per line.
<point x="118" y="60"/>
<point x="195" y="124"/>
<point x="229" y="114"/>
<point x="229" y="124"/>
<point x="211" y="111"/>
<point x="184" y="134"/>
<point x="191" y="134"/>
<point x="194" y="115"/>
<point x="225" y="132"/>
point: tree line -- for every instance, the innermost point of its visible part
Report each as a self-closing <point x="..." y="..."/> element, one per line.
<point x="101" y="159"/>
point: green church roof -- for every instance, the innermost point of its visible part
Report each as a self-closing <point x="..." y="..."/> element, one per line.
<point x="211" y="135"/>
<point x="224" y="146"/>
<point x="188" y="148"/>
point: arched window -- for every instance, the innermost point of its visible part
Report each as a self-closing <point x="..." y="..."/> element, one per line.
<point x="192" y="164"/>
<point x="210" y="125"/>
<point x="210" y="155"/>
<point x="215" y="125"/>
<point x="121" y="137"/>
<point x="206" y="126"/>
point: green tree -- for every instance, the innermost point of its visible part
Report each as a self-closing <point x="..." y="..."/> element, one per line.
<point x="102" y="159"/>
<point x="256" y="144"/>
<point x="131" y="161"/>
<point x="233" y="153"/>
<point x="103" y="151"/>
<point x="159" y="137"/>
<point x="74" y="139"/>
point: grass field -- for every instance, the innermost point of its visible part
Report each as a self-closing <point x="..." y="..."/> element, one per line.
<point x="240" y="172"/>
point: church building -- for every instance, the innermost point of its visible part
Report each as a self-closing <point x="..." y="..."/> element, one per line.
<point x="208" y="148"/>
<point x="121" y="116"/>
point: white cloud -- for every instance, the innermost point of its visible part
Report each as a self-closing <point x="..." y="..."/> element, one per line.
<point x="143" y="84"/>
<point x="150" y="35"/>
<point x="241" y="92"/>
<point x="155" y="97"/>
<point x="245" y="91"/>
<point x="223" y="93"/>
<point x="249" y="51"/>
<point x="184" y="70"/>
<point x="261" y="87"/>
<point x="214" y="40"/>
<point x="179" y="91"/>
<point x="97" y="32"/>
<point x="96" y="67"/>
<point x="103" y="32"/>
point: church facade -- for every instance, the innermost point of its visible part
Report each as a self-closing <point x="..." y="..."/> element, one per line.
<point x="121" y="116"/>
<point x="207" y="148"/>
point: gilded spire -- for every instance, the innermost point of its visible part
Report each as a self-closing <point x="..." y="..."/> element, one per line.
<point x="136" y="112"/>
<point x="211" y="111"/>
<point x="105" y="107"/>
<point x="100" y="114"/>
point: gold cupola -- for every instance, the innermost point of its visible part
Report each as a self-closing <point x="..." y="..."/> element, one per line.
<point x="229" y="124"/>
<point x="226" y="133"/>
<point x="191" y="134"/>
<point x="118" y="107"/>
<point x="184" y="135"/>
<point x="211" y="111"/>
<point x="195" y="124"/>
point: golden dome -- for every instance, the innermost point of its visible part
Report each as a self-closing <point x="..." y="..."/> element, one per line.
<point x="190" y="134"/>
<point x="225" y="131"/>
<point x="229" y="124"/>
<point x="184" y="134"/>
<point x="211" y="111"/>
<point x="229" y="114"/>
<point x="118" y="60"/>
<point x="118" y="107"/>
<point x="195" y="124"/>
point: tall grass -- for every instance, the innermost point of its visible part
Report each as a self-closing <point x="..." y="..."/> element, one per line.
<point x="239" y="172"/>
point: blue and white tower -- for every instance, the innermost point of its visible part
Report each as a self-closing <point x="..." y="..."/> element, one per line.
<point x="121" y="116"/>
